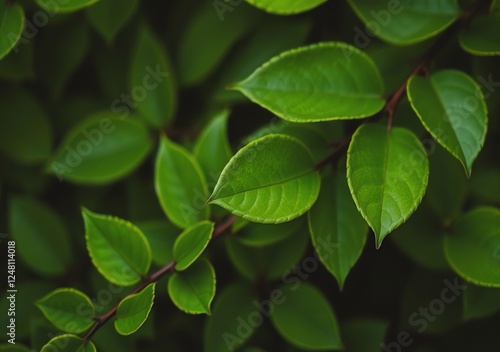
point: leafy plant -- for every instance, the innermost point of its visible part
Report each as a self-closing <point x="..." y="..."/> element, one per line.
<point x="305" y="175"/>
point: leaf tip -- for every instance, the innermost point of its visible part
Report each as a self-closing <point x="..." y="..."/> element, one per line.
<point x="232" y="86"/>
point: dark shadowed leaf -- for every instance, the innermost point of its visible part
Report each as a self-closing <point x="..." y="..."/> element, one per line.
<point x="306" y="319"/>
<point x="335" y="221"/>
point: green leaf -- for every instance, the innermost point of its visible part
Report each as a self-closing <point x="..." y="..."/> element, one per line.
<point x="306" y="319"/>
<point x="452" y="108"/>
<point x="228" y="327"/>
<point x="191" y="243"/>
<point x="57" y="56"/>
<point x="68" y="343"/>
<point x="25" y="145"/>
<point x="364" y="334"/>
<point x="319" y="82"/>
<point x="482" y="36"/>
<point x="261" y="235"/>
<point x="212" y="33"/>
<point x="335" y="220"/>
<point x="271" y="262"/>
<point x="42" y="241"/>
<point x="270" y="180"/>
<point x="118" y="249"/>
<point x="161" y="236"/>
<point x="480" y="302"/>
<point x="180" y="185"/>
<point x="11" y="26"/>
<point x="405" y="22"/>
<point x="387" y="172"/>
<point x="133" y="310"/>
<point x="193" y="290"/>
<point x="473" y="249"/>
<point x="109" y="16"/>
<point x="285" y="7"/>
<point x="101" y="149"/>
<point x="64" y="6"/>
<point x="212" y="148"/>
<point x="152" y="82"/>
<point x="63" y="308"/>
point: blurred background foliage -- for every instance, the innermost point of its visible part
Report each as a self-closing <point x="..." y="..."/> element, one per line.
<point x="78" y="64"/>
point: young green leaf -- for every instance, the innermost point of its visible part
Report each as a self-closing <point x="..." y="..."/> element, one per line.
<point x="101" y="149"/>
<point x="306" y="319"/>
<point x="387" y="172"/>
<point x="228" y="327"/>
<point x="64" y="6"/>
<point x="151" y="80"/>
<point x="109" y="16"/>
<point x="118" y="249"/>
<point x="133" y="311"/>
<point x="42" y="240"/>
<point x="68" y="343"/>
<point x="271" y="180"/>
<point x="482" y="36"/>
<point x="285" y="7"/>
<point x="180" y="185"/>
<point x="212" y="148"/>
<point x="63" y="308"/>
<point x="319" y="82"/>
<point x="193" y="290"/>
<point x="191" y="243"/>
<point x="404" y="22"/>
<point x="335" y="219"/>
<point x="11" y="26"/>
<point x="473" y="249"/>
<point x="452" y="108"/>
<point x="25" y="145"/>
